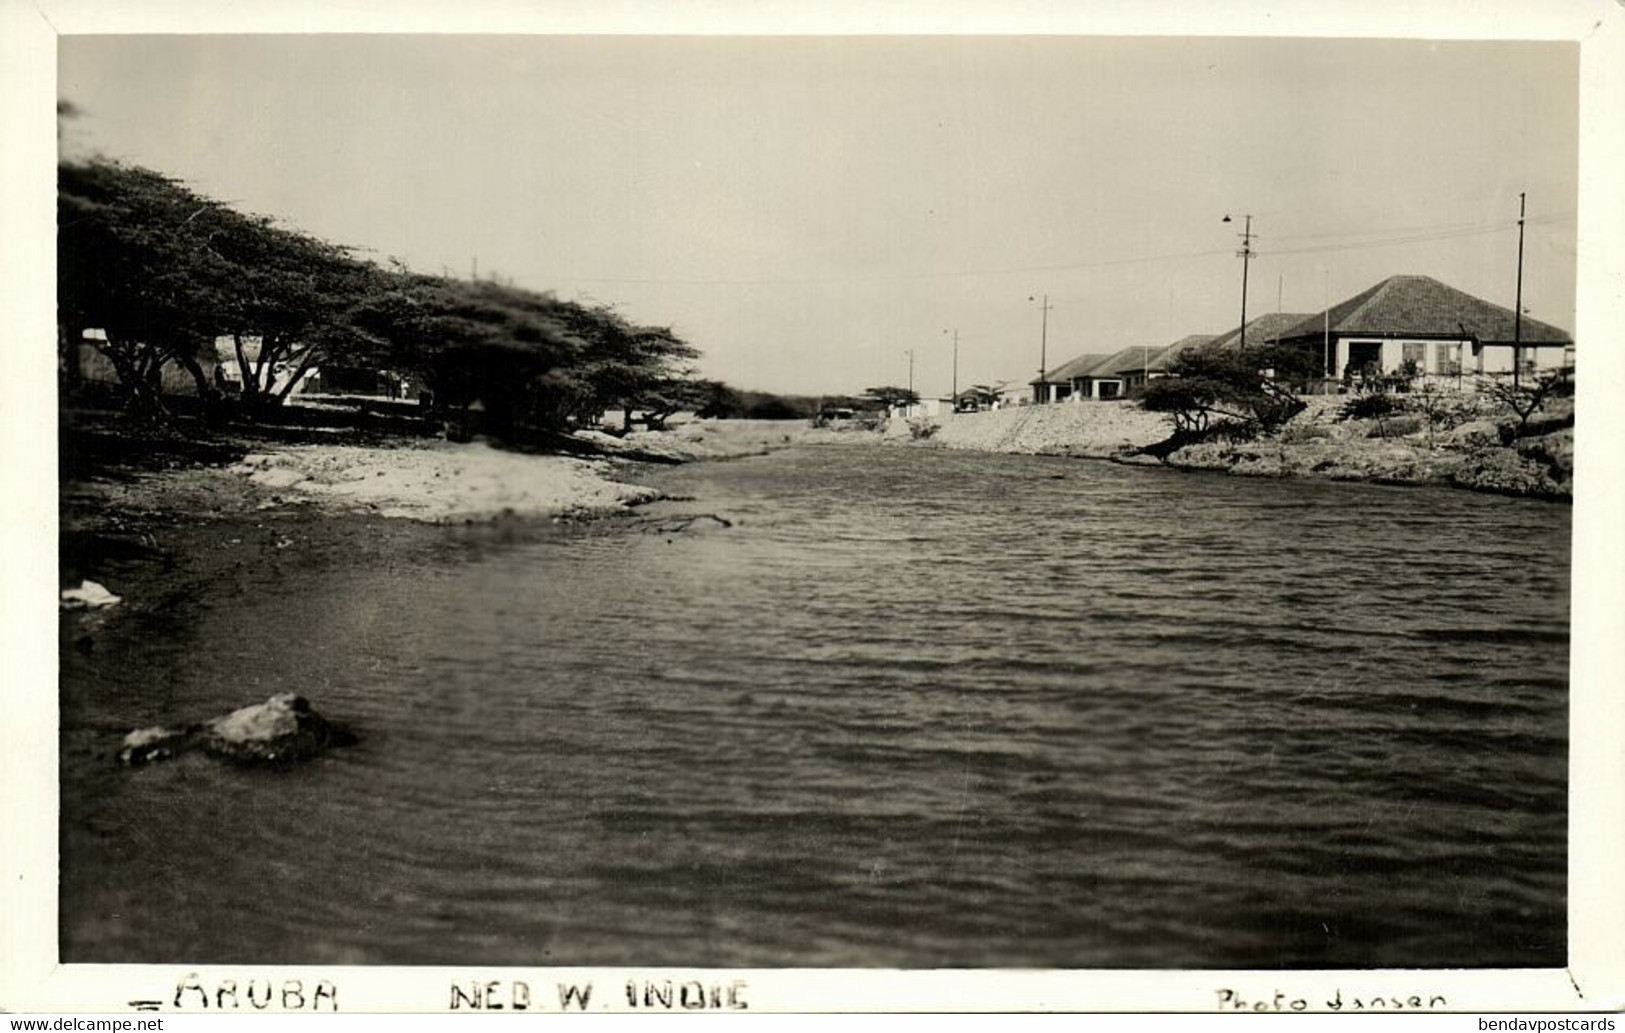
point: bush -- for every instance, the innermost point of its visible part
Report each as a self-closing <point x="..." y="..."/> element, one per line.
<point x="1370" y="407"/>
<point x="1306" y="432"/>
<point x="922" y="430"/>
<point x="1397" y="427"/>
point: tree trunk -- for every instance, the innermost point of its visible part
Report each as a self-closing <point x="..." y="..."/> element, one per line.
<point x="298" y="375"/>
<point x="205" y="387"/>
<point x="137" y="373"/>
<point x="242" y="366"/>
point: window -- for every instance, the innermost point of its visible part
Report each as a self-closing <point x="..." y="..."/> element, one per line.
<point x="1447" y="359"/>
<point x="1414" y="351"/>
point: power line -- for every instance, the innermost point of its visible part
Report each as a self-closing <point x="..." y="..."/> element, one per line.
<point x="1453" y="232"/>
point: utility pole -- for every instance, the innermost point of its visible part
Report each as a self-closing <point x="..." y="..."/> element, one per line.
<point x="1517" y="305"/>
<point x="956" y="368"/>
<point x="1326" y="322"/>
<point x="910" y="354"/>
<point x="1043" y="347"/>
<point x="474" y="268"/>
<point x="1246" y="256"/>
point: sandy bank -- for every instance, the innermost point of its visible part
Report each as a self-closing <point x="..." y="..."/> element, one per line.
<point x="1097" y="429"/>
<point x="446" y="482"/>
<point x="706" y="439"/>
<point x="440" y="482"/>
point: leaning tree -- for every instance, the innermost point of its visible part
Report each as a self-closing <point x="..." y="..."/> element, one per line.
<point x="1241" y="391"/>
<point x="135" y="262"/>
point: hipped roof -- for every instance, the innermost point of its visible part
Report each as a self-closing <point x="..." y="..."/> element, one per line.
<point x="1161" y="361"/>
<point x="1420" y="306"/>
<point x="1077" y="367"/>
<point x="1130" y="359"/>
<point x="1265" y="328"/>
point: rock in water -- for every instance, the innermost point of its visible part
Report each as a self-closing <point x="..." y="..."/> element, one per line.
<point x="88" y="596"/>
<point x="284" y="728"/>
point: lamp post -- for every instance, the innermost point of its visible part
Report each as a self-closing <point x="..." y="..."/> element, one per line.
<point x="1246" y="256"/>
<point x="1043" y="346"/>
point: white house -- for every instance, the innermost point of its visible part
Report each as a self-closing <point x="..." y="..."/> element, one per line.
<point x="1445" y="332"/>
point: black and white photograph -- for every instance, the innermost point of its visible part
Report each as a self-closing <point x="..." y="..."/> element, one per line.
<point x="1032" y="501"/>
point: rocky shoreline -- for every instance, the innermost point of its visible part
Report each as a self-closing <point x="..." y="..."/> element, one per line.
<point x="1475" y="450"/>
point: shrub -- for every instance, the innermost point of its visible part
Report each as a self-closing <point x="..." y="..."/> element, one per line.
<point x="1306" y="432"/>
<point x="1397" y="427"/>
<point x="1370" y="407"/>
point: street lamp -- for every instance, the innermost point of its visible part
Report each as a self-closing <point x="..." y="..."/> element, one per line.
<point x="1246" y="256"/>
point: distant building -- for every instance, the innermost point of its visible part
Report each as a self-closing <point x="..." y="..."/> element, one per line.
<point x="929" y="408"/>
<point x="1061" y="383"/>
<point x="1012" y="393"/>
<point x="1157" y="363"/>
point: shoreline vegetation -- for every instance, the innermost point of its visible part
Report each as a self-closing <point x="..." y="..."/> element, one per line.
<point x="1474" y="446"/>
<point x="220" y="372"/>
<point x="134" y="482"/>
<point x="444" y="400"/>
<point x="123" y="480"/>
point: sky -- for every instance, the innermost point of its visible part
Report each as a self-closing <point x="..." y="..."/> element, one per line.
<point x="809" y="210"/>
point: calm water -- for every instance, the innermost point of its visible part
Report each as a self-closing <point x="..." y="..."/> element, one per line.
<point x="911" y="709"/>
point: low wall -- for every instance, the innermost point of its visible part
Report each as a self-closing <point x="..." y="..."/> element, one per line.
<point x="1079" y="429"/>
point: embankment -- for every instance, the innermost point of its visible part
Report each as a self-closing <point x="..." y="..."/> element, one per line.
<point x="1471" y="447"/>
<point x="1099" y="430"/>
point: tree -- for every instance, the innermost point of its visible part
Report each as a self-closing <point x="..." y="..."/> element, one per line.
<point x="288" y="307"/>
<point x="890" y="397"/>
<point x="629" y="367"/>
<point x="983" y="396"/>
<point x="760" y="405"/>
<point x="1248" y="390"/>
<point x="134" y="261"/>
<point x="717" y="401"/>
<point x="1523" y="399"/>
<point x="663" y="400"/>
<point x="164" y="271"/>
<point x="506" y="352"/>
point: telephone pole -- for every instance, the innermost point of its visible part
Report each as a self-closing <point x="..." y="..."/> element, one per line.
<point x="1246" y="256"/>
<point x="910" y="354"/>
<point x="956" y="368"/>
<point x="1517" y="305"/>
<point x="1043" y="347"/>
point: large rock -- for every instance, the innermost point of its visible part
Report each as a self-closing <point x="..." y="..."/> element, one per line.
<point x="282" y="729"/>
<point x="1506" y="472"/>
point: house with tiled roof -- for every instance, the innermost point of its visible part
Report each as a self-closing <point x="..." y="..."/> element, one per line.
<point x="1266" y="329"/>
<point x="1157" y="364"/>
<point x="1127" y="368"/>
<point x="1060" y="383"/>
<point x="1417" y="319"/>
<point x="1110" y="377"/>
